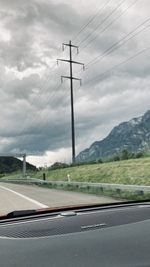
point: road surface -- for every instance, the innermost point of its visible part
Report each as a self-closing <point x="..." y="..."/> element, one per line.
<point x="18" y="197"/>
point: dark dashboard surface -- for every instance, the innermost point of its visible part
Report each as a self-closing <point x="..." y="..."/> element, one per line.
<point x="113" y="237"/>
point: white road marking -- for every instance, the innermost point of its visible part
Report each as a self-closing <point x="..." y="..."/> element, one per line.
<point x="25" y="197"/>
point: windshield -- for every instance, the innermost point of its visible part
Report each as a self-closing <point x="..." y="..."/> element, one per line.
<point x="75" y="115"/>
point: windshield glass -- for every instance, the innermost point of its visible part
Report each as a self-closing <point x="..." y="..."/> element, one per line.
<point x="75" y="116"/>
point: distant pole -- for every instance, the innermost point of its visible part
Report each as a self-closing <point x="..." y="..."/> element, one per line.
<point x="24" y="165"/>
<point x="70" y="61"/>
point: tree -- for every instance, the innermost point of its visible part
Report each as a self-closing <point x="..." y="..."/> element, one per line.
<point x="125" y="154"/>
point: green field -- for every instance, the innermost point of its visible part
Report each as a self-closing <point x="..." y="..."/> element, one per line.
<point x="134" y="171"/>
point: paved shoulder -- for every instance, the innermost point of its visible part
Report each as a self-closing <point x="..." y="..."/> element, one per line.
<point x="15" y="197"/>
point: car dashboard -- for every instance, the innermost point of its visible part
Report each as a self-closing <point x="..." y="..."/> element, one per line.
<point x="113" y="235"/>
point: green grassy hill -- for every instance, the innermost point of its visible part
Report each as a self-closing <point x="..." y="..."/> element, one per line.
<point x="134" y="171"/>
<point x="11" y="164"/>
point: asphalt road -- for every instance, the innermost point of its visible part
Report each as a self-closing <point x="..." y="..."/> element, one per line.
<point x="18" y="197"/>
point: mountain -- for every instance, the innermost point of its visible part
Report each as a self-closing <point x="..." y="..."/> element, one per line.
<point x="133" y="135"/>
<point x="10" y="164"/>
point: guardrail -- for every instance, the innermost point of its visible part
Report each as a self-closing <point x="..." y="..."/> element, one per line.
<point x="122" y="187"/>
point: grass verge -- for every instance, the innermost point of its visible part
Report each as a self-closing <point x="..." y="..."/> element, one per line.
<point x="134" y="171"/>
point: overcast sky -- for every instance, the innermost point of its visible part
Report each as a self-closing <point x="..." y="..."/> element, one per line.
<point x="35" y="106"/>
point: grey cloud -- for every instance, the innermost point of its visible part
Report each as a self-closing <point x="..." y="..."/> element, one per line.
<point x="41" y="136"/>
<point x="35" y="113"/>
<point x="31" y="24"/>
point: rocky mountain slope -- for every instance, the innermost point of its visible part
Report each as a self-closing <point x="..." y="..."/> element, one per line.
<point x="133" y="135"/>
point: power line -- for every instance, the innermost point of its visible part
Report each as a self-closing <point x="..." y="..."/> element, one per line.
<point x="94" y="61"/>
<point x="25" y="129"/>
<point x="119" y="43"/>
<point x="102" y="22"/>
<point x="98" y="77"/>
<point x="91" y="20"/>
<point x="45" y="121"/>
<point x="41" y="90"/>
<point x="38" y="131"/>
<point x="32" y="102"/>
<point x="33" y="119"/>
<point x="110" y="24"/>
